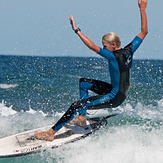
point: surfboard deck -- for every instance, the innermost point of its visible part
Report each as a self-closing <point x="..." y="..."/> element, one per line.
<point x="25" y="143"/>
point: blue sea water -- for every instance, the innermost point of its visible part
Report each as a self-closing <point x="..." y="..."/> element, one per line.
<point x="36" y="91"/>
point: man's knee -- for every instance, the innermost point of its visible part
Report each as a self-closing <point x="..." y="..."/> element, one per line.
<point x="85" y="84"/>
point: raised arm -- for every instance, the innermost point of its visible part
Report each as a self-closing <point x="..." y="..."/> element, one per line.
<point x="89" y="43"/>
<point x="144" y="27"/>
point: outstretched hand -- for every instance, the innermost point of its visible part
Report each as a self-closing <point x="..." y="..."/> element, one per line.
<point x="144" y="26"/>
<point x="142" y="4"/>
<point x="72" y="22"/>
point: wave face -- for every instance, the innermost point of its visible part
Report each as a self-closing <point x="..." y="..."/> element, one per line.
<point x="36" y="91"/>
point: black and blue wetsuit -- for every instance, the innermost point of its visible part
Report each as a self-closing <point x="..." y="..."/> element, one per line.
<point x="109" y="95"/>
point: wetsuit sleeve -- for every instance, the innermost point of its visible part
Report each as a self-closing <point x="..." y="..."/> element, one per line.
<point x="136" y="43"/>
<point x="105" y="53"/>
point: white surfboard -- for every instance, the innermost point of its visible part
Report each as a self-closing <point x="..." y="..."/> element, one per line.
<point x="25" y="143"/>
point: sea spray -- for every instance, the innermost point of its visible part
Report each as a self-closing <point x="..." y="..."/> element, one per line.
<point x="37" y="94"/>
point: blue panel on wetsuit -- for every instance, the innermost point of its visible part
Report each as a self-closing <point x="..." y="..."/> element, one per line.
<point x="136" y="43"/>
<point x="113" y="68"/>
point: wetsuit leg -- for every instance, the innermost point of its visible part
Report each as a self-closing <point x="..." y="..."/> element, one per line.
<point x="96" y="86"/>
<point x="90" y="103"/>
<point x="67" y="117"/>
<point x="112" y="103"/>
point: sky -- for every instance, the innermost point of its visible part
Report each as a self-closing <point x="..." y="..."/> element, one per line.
<point x="42" y="28"/>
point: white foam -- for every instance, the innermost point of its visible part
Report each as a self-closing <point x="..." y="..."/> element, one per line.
<point x="123" y="144"/>
<point x="59" y="114"/>
<point x="31" y="111"/>
<point x="7" y="86"/>
<point x="12" y="122"/>
<point x="160" y="104"/>
<point x="115" y="144"/>
<point x="6" y="111"/>
<point x="154" y="113"/>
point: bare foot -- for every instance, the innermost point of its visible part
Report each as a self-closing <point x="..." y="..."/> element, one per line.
<point x="45" y="135"/>
<point x="81" y="121"/>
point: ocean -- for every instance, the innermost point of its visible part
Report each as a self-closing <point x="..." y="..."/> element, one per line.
<point x="36" y="91"/>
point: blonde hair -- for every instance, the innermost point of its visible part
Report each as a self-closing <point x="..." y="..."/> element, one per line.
<point x="112" y="37"/>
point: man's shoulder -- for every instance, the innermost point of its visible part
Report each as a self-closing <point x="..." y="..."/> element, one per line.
<point x="106" y="53"/>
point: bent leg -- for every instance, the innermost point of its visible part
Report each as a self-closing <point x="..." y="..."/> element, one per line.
<point x="96" y="86"/>
<point x="78" y="106"/>
<point x="98" y="103"/>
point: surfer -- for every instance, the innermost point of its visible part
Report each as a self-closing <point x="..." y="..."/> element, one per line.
<point x="108" y="95"/>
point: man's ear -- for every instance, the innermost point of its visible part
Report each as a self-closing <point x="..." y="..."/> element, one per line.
<point x="114" y="45"/>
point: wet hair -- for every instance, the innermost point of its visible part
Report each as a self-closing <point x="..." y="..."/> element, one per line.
<point x="112" y="37"/>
